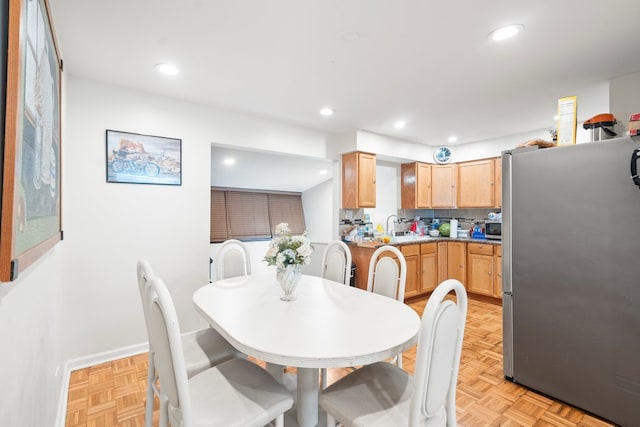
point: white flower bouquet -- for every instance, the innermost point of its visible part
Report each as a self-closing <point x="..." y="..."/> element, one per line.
<point x="286" y="249"/>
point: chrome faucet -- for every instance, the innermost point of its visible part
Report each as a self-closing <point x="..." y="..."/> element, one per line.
<point x="389" y="217"/>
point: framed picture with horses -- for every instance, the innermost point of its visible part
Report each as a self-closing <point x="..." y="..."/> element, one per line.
<point x="134" y="158"/>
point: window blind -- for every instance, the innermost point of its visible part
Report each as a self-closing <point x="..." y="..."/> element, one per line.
<point x="218" y="216"/>
<point x="246" y="214"/>
<point x="287" y="208"/>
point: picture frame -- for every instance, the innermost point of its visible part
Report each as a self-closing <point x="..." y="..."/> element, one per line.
<point x="135" y="158"/>
<point x="31" y="219"/>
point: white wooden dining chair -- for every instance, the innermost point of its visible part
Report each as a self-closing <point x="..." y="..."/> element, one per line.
<point x="381" y="394"/>
<point x="232" y="260"/>
<point x="336" y="266"/>
<point x="336" y="262"/>
<point x="236" y="392"/>
<point x="388" y="277"/>
<point x="202" y="349"/>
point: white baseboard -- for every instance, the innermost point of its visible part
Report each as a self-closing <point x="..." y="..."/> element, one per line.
<point x="86" y="361"/>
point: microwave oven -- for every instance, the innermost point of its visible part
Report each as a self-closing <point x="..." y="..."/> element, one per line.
<point x="493" y="230"/>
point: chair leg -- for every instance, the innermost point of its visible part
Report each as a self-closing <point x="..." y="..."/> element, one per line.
<point x="151" y="376"/>
<point x="323" y="378"/>
<point x="164" y="411"/>
<point x="280" y="421"/>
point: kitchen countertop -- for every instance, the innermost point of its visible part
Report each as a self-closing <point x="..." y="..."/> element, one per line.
<point x="405" y="240"/>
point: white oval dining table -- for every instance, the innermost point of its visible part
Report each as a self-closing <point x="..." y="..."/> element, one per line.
<point x="329" y="325"/>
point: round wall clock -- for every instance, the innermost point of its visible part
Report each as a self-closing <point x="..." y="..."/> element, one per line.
<point x="442" y="154"/>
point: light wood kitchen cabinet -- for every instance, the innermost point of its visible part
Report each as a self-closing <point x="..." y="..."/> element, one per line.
<point x="497" y="285"/>
<point x="358" y="180"/>
<point x="412" y="258"/>
<point x="416" y="185"/>
<point x="456" y="261"/>
<point x="476" y="184"/>
<point x="443" y="185"/>
<point x="481" y="279"/>
<point x="429" y="264"/>
<point x="442" y="261"/>
<point x="498" y="182"/>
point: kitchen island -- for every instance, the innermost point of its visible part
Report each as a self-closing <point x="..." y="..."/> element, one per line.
<point x="477" y="263"/>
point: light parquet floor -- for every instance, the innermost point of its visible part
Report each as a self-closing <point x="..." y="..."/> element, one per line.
<point x="113" y="393"/>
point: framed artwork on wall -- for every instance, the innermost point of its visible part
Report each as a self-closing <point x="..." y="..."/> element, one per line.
<point x="30" y="224"/>
<point x="143" y="159"/>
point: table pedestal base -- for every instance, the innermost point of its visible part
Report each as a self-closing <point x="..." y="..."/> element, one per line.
<point x="307" y="393"/>
<point x="305" y="411"/>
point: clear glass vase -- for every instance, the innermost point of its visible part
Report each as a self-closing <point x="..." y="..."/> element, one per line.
<point x="289" y="277"/>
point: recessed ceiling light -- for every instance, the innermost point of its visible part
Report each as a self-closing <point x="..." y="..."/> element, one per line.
<point x="167" y="69"/>
<point x="229" y="161"/>
<point x="452" y="139"/>
<point x="506" y="32"/>
<point x="326" y="111"/>
<point x="400" y="124"/>
<point x="323" y="172"/>
<point x="555" y="118"/>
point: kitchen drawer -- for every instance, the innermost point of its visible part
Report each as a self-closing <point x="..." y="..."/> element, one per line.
<point x="499" y="250"/>
<point x="480" y="249"/>
<point x="408" y="250"/>
<point x="428" y="248"/>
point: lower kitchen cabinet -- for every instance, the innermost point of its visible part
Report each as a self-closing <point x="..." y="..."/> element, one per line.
<point x="478" y="266"/>
<point x="429" y="264"/>
<point x="481" y="278"/>
<point x="456" y="262"/>
<point x="442" y="262"/>
<point x="412" y="258"/>
<point x="452" y="262"/>
<point x="497" y="286"/>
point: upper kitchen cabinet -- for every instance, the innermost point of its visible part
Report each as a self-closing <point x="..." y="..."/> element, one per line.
<point x="443" y="185"/>
<point x="476" y="184"/>
<point x="416" y="185"/>
<point x="358" y="180"/>
<point x="498" y="182"/>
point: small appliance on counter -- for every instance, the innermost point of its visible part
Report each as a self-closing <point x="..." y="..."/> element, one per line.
<point x="601" y="127"/>
<point x="493" y="230"/>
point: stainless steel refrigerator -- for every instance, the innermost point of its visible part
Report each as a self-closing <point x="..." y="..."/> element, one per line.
<point x="571" y="275"/>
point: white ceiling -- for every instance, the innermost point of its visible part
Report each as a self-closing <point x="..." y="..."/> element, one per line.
<point x="429" y="63"/>
<point x="263" y="171"/>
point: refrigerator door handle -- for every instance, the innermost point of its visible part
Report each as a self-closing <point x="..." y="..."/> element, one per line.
<point x="634" y="166"/>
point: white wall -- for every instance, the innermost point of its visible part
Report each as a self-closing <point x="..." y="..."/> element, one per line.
<point x="625" y="99"/>
<point x="30" y="359"/>
<point x="319" y="212"/>
<point x="387" y="193"/>
<point x="111" y="226"/>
